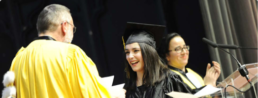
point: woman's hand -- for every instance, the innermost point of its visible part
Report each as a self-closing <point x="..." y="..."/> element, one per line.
<point x="212" y="74"/>
<point x="217" y="68"/>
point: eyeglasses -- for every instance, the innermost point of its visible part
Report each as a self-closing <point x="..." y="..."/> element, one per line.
<point x="74" y="28"/>
<point x="179" y="49"/>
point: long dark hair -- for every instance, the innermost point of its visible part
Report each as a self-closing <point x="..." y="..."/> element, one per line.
<point x="154" y="69"/>
<point x="163" y="49"/>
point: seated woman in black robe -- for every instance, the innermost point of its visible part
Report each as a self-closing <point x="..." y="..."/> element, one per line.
<point x="175" y="53"/>
<point x="146" y="76"/>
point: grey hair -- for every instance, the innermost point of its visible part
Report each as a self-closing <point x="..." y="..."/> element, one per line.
<point x="51" y="17"/>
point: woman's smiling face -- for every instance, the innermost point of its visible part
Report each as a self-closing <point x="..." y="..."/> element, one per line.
<point x="178" y="54"/>
<point x="134" y="56"/>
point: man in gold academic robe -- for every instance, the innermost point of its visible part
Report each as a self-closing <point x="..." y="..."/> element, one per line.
<point x="51" y="67"/>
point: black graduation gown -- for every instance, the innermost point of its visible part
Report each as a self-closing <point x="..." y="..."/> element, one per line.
<point x="172" y="82"/>
<point x="184" y="74"/>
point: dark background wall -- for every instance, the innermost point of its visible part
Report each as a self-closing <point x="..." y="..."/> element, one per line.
<point x="100" y="25"/>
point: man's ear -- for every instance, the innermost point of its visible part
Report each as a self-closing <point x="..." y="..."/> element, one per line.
<point x="64" y="28"/>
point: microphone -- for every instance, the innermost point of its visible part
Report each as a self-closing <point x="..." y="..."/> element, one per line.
<point x="228" y="46"/>
<point x="219" y="45"/>
<point x="224" y="46"/>
<point x="242" y="69"/>
<point x="209" y="42"/>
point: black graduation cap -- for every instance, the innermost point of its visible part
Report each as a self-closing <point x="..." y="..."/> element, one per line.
<point x="150" y="34"/>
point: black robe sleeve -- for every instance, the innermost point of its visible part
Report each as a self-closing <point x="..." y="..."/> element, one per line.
<point x="175" y="83"/>
<point x="172" y="82"/>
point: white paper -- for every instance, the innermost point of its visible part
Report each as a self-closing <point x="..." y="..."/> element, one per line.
<point x="119" y="86"/>
<point x="116" y="91"/>
<point x="180" y="95"/>
<point x="207" y="90"/>
<point x="107" y="81"/>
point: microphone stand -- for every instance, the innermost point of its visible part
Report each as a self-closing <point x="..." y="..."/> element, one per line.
<point x="242" y="69"/>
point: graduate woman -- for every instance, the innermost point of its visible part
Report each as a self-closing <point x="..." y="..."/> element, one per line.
<point x="146" y="76"/>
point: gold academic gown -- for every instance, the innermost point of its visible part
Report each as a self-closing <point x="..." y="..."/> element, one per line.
<point x="51" y="69"/>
